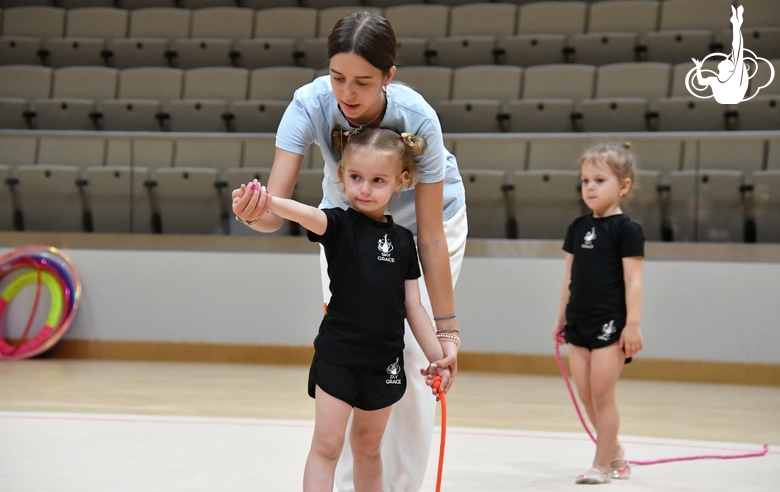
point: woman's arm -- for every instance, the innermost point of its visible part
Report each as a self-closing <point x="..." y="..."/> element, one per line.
<point x="560" y="321"/>
<point x="252" y="204"/>
<point x="435" y="259"/>
<point x="631" y="338"/>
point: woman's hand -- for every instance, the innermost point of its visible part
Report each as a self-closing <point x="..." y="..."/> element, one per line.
<point x="249" y="203"/>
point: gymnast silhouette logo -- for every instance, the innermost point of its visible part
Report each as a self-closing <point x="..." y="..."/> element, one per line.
<point x="607" y="330"/>
<point x="590" y="236"/>
<point x="730" y="84"/>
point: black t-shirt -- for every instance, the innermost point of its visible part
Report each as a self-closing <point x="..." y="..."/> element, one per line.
<point x="368" y="264"/>
<point x="599" y="245"/>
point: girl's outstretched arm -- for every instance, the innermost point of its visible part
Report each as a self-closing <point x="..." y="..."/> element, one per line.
<point x="312" y="218"/>
<point x="560" y="321"/>
<point x="631" y="338"/>
<point x="425" y="334"/>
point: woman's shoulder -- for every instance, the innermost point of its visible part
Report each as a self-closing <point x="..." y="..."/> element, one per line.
<point x="409" y="102"/>
<point x="315" y="90"/>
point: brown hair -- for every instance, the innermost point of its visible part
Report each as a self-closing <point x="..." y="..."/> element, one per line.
<point x="368" y="35"/>
<point x="618" y="157"/>
<point x="404" y="146"/>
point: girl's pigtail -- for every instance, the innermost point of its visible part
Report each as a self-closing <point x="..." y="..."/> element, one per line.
<point x="338" y="139"/>
<point x="415" y="144"/>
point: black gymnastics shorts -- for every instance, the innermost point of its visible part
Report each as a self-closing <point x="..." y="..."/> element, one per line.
<point x="596" y="333"/>
<point x="365" y="387"/>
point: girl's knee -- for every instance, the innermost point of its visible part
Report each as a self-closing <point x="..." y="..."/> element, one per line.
<point x="328" y="447"/>
<point x="366" y="443"/>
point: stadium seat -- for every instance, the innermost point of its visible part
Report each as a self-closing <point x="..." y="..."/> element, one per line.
<point x="201" y="52"/>
<point x="760" y="13"/>
<point x="528" y="50"/>
<point x="160" y="23"/>
<point x="205" y="4"/>
<point x="637" y="16"/>
<point x="433" y="83"/>
<point x="487" y="82"/>
<point x="658" y="154"/>
<point x="691" y="114"/>
<point x="759" y="82"/>
<point x="43" y="190"/>
<point x="118" y="199"/>
<point x="73" y="52"/>
<point x="614" y="114"/>
<point x="278" y="83"/>
<point x="766" y="193"/>
<point x="471" y="116"/>
<point x="418" y="21"/>
<point x="540" y="115"/>
<point x="268" y="4"/>
<point x="18" y="149"/>
<point x="411" y="52"/>
<point x="80" y="152"/>
<point x="604" y="48"/>
<point x="144" y="4"/>
<point x="39" y="22"/>
<point x="552" y="18"/>
<point x="19" y="86"/>
<point x="256" y="115"/>
<point x="483" y="19"/>
<point x="222" y="22"/>
<point x="137" y="52"/>
<point x="213" y="153"/>
<point x="20" y="50"/>
<point x="555" y="154"/>
<point x="87" y="30"/>
<point x="313" y="53"/>
<point x="707" y="206"/>
<point x="712" y="15"/>
<point x="646" y="80"/>
<point x="72" y="102"/>
<point x="545" y="202"/>
<point x="80" y="4"/>
<point x="677" y="46"/>
<point x="463" y="51"/>
<point x="230" y="84"/>
<point x="490" y="153"/>
<point x="763" y="41"/>
<point x="759" y="113"/>
<point x="265" y="52"/>
<point x="744" y="155"/>
<point x="329" y="15"/>
<point x="486" y="195"/>
<point x="259" y="152"/>
<point x="291" y="23"/>
<point x="569" y="81"/>
<point x="326" y="4"/>
<point x="188" y="200"/>
<point x="153" y="153"/>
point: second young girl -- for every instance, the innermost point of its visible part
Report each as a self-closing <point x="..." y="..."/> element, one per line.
<point x="358" y="367"/>
<point x="601" y="299"/>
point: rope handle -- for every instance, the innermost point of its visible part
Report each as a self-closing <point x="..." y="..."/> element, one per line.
<point x="437" y="386"/>
<point x="561" y="339"/>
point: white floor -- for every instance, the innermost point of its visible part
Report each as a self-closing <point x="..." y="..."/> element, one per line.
<point x="61" y="452"/>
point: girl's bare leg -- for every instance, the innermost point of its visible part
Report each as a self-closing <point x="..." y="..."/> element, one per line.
<point x="606" y="365"/>
<point x="365" y="438"/>
<point x="330" y="424"/>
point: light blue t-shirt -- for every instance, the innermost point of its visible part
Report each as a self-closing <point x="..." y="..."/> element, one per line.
<point x="312" y="115"/>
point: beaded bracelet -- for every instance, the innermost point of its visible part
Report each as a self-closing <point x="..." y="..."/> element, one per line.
<point x="251" y="222"/>
<point x="450" y="337"/>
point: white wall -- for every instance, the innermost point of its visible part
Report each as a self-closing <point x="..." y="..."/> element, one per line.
<point x="696" y="310"/>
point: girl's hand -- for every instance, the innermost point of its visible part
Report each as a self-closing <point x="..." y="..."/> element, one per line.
<point x="557" y="333"/>
<point x="250" y="202"/>
<point x="631" y="340"/>
<point x="430" y="374"/>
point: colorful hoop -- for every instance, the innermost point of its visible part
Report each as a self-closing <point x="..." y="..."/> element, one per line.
<point x="45" y="266"/>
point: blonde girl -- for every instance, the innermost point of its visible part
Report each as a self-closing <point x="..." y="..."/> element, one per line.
<point x="601" y="299"/>
<point x="358" y="367"/>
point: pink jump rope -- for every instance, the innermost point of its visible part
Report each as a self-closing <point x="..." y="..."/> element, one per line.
<point x="562" y="339"/>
